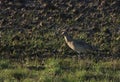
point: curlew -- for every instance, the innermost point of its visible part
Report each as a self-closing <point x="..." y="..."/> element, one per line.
<point x="79" y="46"/>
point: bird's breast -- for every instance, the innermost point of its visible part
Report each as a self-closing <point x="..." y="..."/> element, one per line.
<point x="71" y="45"/>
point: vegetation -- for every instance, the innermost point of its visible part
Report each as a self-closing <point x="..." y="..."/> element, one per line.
<point x="32" y="49"/>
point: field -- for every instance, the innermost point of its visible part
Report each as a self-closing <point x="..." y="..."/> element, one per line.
<point x="33" y="50"/>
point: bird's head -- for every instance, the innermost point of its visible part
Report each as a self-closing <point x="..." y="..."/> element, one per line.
<point x="64" y="32"/>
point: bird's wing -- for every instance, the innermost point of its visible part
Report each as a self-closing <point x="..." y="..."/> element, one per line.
<point x="87" y="46"/>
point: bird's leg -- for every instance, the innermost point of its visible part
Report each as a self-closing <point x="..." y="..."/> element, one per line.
<point x="80" y="56"/>
<point x="74" y="58"/>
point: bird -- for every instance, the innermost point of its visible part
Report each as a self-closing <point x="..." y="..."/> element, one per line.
<point x="79" y="46"/>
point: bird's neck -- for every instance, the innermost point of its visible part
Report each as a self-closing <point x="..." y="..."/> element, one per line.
<point x="67" y="38"/>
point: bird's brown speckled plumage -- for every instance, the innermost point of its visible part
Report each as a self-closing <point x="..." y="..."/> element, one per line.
<point x="77" y="45"/>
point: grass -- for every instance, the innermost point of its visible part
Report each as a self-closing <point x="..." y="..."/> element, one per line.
<point x="60" y="70"/>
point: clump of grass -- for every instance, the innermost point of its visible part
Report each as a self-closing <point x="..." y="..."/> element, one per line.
<point x="4" y="64"/>
<point x="62" y="69"/>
